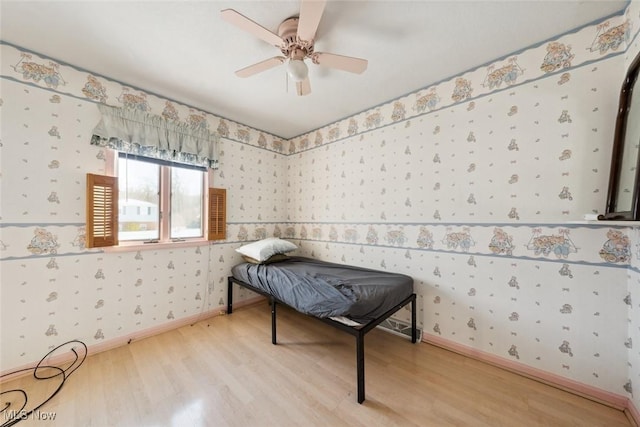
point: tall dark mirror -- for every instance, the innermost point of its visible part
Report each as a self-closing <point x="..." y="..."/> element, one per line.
<point x="623" y="197"/>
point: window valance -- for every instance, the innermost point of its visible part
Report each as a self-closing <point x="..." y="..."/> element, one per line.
<point x="138" y="132"/>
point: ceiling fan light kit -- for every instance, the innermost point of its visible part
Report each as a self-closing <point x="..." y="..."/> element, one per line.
<point x="297" y="69"/>
<point x="295" y="39"/>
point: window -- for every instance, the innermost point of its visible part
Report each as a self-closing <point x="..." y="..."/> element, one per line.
<point x="170" y="194"/>
<point x="158" y="202"/>
<point x="139" y="185"/>
<point x="187" y="196"/>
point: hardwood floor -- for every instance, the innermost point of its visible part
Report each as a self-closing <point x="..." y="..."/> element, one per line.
<point x="224" y="371"/>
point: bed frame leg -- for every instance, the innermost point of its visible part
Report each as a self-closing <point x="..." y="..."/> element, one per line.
<point x="414" y="332"/>
<point x="360" y="365"/>
<point x="229" y="296"/>
<point x="273" y="321"/>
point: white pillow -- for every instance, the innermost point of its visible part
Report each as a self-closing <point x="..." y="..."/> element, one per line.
<point x="265" y="248"/>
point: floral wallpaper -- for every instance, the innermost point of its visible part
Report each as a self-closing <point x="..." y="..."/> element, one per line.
<point x="556" y="57"/>
<point x="632" y="301"/>
<point x="632" y="298"/>
<point x="54" y="288"/>
<point x="475" y="187"/>
<point x="30" y="68"/>
<point x="477" y="205"/>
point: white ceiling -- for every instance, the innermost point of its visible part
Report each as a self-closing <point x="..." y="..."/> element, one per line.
<point x="182" y="50"/>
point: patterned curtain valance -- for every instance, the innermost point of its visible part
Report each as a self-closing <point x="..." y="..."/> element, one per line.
<point x="137" y="132"/>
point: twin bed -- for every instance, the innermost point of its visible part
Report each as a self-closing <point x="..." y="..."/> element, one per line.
<point x="352" y="299"/>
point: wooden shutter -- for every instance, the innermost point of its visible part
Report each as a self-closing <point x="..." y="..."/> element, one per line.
<point x="217" y="214"/>
<point x="102" y="211"/>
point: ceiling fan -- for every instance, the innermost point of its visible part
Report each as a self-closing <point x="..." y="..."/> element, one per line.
<point x="295" y="39"/>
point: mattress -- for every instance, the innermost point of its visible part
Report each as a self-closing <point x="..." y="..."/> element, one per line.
<point x="325" y="289"/>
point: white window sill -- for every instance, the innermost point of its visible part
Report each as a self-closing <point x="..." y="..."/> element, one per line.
<point x="137" y="246"/>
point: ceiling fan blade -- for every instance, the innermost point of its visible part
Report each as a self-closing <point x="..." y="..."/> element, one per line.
<point x="261" y="66"/>
<point x="303" y="87"/>
<point x="246" y="24"/>
<point x="345" y="63"/>
<point x="310" y="14"/>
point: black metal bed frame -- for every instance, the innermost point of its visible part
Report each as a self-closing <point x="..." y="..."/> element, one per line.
<point x="357" y="331"/>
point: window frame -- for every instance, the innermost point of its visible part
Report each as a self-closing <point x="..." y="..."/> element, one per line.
<point x="165" y="196"/>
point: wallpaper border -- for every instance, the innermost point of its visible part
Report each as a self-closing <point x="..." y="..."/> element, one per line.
<point x="510" y="73"/>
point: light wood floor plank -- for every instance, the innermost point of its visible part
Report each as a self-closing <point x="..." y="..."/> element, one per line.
<point x="224" y="371"/>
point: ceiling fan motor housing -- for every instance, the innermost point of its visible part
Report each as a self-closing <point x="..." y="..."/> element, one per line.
<point x="293" y="47"/>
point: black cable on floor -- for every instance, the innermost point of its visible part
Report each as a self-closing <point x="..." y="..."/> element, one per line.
<point x="14" y="415"/>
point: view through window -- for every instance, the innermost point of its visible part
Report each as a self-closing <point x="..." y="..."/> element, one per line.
<point x="187" y="195"/>
<point x="144" y="184"/>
